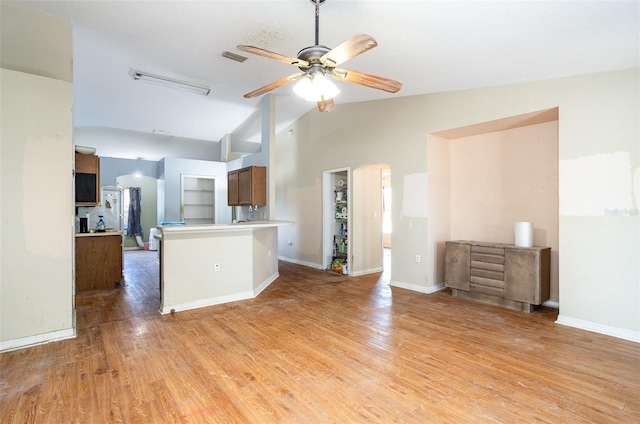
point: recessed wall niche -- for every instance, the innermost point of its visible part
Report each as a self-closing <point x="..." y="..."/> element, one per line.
<point x="485" y="177"/>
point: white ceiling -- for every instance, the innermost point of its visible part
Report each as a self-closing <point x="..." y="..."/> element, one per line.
<point x="430" y="46"/>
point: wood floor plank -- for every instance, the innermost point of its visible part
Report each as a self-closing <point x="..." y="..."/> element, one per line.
<point x="317" y="347"/>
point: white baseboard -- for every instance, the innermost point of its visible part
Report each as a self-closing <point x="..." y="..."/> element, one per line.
<point x="620" y="333"/>
<point x="418" y="288"/>
<point x="365" y="272"/>
<point x="554" y="304"/>
<point x="202" y="303"/>
<point x="39" y="339"/>
<point x="266" y="284"/>
<point x="298" y="262"/>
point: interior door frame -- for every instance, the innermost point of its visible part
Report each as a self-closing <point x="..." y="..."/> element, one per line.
<point x="328" y="213"/>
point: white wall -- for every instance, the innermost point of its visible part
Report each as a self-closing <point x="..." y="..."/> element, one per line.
<point x="36" y="286"/>
<point x="170" y="170"/>
<point x="599" y="275"/>
<point x="36" y="163"/>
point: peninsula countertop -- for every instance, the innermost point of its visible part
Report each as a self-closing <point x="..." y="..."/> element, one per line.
<point x="205" y="228"/>
<point x="208" y="264"/>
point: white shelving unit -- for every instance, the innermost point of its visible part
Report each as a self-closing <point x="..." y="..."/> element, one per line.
<point x="198" y="199"/>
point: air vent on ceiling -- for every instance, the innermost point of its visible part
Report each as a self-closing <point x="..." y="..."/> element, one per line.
<point x="234" y="56"/>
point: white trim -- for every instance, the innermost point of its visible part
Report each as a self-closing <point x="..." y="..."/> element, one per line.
<point x="221" y="299"/>
<point x="39" y="339"/>
<point x="365" y="272"/>
<point x="418" y="288"/>
<point x="551" y="304"/>
<point x="296" y="261"/>
<point x="621" y="333"/>
<point x="206" y="302"/>
<point x="265" y="284"/>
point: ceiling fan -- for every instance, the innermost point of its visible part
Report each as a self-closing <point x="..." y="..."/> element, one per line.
<point x="317" y="62"/>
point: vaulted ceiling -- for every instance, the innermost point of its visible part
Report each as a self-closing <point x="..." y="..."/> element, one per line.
<point x="430" y="46"/>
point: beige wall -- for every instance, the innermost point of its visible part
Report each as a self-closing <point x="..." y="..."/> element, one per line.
<point x="366" y="220"/>
<point x="36" y="213"/>
<point x="247" y="258"/>
<point x="503" y="177"/>
<point x="599" y="275"/>
<point x="439" y="205"/>
<point x="35" y="43"/>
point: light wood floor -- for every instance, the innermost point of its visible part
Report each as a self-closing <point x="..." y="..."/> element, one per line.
<point x="317" y="347"/>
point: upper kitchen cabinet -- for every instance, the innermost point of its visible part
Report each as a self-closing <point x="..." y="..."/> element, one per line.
<point x="87" y="178"/>
<point x="247" y="186"/>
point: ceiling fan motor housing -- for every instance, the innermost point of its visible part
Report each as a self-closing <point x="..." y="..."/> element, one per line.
<point x="312" y="55"/>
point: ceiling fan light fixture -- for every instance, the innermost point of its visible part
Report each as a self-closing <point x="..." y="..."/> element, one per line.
<point x="315" y="87"/>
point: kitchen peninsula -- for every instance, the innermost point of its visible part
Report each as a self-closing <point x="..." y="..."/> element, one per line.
<point x="204" y="265"/>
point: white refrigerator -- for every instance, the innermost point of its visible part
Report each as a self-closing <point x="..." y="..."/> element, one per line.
<point x="112" y="207"/>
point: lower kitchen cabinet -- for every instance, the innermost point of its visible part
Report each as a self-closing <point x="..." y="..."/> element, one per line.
<point x="99" y="261"/>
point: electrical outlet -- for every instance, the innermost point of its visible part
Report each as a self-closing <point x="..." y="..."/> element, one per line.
<point x="417" y="258"/>
<point x="216" y="267"/>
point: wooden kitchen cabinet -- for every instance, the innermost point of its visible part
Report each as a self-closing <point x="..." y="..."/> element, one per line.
<point x="99" y="261"/>
<point x="232" y="188"/>
<point x="87" y="180"/>
<point x="501" y="274"/>
<point x="247" y="186"/>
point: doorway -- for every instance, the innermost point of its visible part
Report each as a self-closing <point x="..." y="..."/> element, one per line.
<point x="386" y="222"/>
<point x="336" y="213"/>
<point x="353" y="215"/>
<point x="148" y="206"/>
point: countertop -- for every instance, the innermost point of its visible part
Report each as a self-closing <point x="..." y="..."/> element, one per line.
<point x="205" y="228"/>
<point x="106" y="233"/>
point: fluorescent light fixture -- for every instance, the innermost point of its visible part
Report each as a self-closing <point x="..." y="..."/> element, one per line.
<point x="169" y="82"/>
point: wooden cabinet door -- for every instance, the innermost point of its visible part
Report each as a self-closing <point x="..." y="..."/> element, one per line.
<point x="87" y="164"/>
<point x="98" y="262"/>
<point x="232" y="188"/>
<point x="245" y="187"/>
<point x="457" y="265"/>
<point x="526" y="275"/>
<point x="259" y="185"/>
<point x="87" y="180"/>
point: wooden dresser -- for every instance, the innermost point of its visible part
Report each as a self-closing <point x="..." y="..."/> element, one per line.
<point x="501" y="274"/>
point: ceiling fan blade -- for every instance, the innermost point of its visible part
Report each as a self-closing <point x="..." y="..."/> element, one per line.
<point x="273" y="55"/>
<point x="368" y="80"/>
<point x="326" y="105"/>
<point x="349" y="49"/>
<point x="273" y="85"/>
